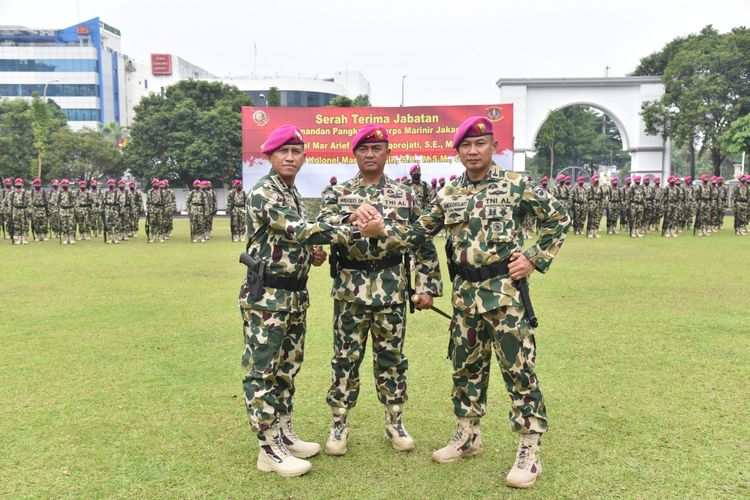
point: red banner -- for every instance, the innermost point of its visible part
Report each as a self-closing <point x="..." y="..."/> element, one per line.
<point x="423" y="133"/>
<point x="161" y="64"/>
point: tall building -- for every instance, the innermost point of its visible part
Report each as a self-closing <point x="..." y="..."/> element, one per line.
<point x="80" y="67"/>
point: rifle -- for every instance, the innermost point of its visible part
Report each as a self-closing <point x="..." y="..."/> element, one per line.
<point x="2" y="222"/>
<point x="11" y="229"/>
<point x="698" y="219"/>
<point x="148" y="225"/>
<point x="105" y="225"/>
<point x="256" y="272"/>
<point x="231" y="221"/>
<point x="409" y="289"/>
<point x="190" y="223"/>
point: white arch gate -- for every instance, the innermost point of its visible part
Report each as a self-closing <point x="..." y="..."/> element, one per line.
<point x="620" y="98"/>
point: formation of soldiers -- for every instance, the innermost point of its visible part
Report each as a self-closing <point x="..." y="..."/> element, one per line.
<point x="201" y="208"/>
<point x="65" y="213"/>
<point x="161" y="205"/>
<point x="639" y="206"/>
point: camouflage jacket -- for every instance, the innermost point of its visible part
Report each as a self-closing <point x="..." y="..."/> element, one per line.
<point x="721" y="192"/>
<point x="84" y="200"/>
<point x="197" y="202"/>
<point x="596" y="194"/>
<point x="236" y="200"/>
<point x="740" y="194"/>
<point x="18" y="201"/>
<point x="211" y="199"/>
<point x="615" y="196"/>
<point x="66" y="199"/>
<point x="703" y="194"/>
<point x="96" y="196"/>
<point x="155" y="200"/>
<point x="636" y="195"/>
<point x="578" y="195"/>
<point x="484" y="221"/>
<point x="136" y="199"/>
<point x="672" y="196"/>
<point x="397" y="205"/>
<point x="421" y="192"/>
<point x="279" y="234"/>
<point x="39" y="200"/>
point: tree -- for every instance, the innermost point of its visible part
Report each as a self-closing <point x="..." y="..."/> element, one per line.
<point x="274" y="97"/>
<point x="83" y="155"/>
<point x="341" y="101"/>
<point x="193" y="131"/>
<point x="361" y="101"/>
<point x="707" y="87"/>
<point x="736" y="138"/>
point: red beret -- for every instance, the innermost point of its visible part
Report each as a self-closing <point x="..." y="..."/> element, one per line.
<point x="647" y="179"/>
<point x="369" y="133"/>
<point x="205" y="183"/>
<point x="594" y="178"/>
<point x="544" y="178"/>
<point x="285" y="134"/>
<point x="196" y="183"/>
<point x="82" y="184"/>
<point x="332" y="179"/>
<point x="64" y="182"/>
<point x="121" y="182"/>
<point x="657" y="180"/>
<point x="54" y="182"/>
<point x="713" y="178"/>
<point x="567" y="177"/>
<point x="433" y="181"/>
<point x="474" y="126"/>
<point x="131" y="184"/>
<point x="93" y="182"/>
<point x="580" y="178"/>
<point x="111" y="181"/>
<point x="164" y="183"/>
<point x="442" y="179"/>
<point x="720" y="178"/>
<point x="614" y="180"/>
<point x="452" y="177"/>
<point x="37" y="182"/>
<point x="414" y="168"/>
<point x="688" y="178"/>
<point x="8" y="180"/>
<point x="154" y="181"/>
<point x="18" y="181"/>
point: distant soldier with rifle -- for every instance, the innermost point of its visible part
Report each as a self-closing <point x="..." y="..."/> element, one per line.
<point x="236" y="200"/>
<point x="614" y="205"/>
<point x="596" y="197"/>
<point x="658" y="211"/>
<point x="740" y="200"/>
<point x="39" y="211"/>
<point x="579" y="203"/>
<point x="155" y="212"/>
<point x="170" y="207"/>
<point x="648" y="205"/>
<point x="671" y="203"/>
<point x="703" y="207"/>
<point x="212" y="208"/>
<point x="19" y="208"/>
<point x="274" y="300"/>
<point x="636" y="199"/>
<point x="66" y="202"/>
<point x="4" y="211"/>
<point x="625" y="207"/>
<point x="136" y="208"/>
<point x="54" y="209"/>
<point x="111" y="213"/>
<point x="123" y="211"/>
<point x="197" y="206"/>
<point x="722" y="195"/>
<point x="492" y="312"/>
<point x="84" y="207"/>
<point x="370" y="291"/>
<point x="96" y="209"/>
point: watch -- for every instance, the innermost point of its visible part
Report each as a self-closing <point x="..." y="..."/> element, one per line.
<point x="356" y="232"/>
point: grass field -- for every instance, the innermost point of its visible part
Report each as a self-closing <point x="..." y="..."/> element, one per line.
<point x="120" y="370"/>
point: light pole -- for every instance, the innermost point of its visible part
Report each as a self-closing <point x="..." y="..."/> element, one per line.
<point x="39" y="152"/>
<point x="403" y="77"/>
<point x="265" y="102"/>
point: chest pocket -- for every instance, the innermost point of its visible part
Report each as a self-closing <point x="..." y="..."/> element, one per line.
<point x="456" y="210"/>
<point x="498" y="221"/>
<point x="395" y="205"/>
<point x="350" y="202"/>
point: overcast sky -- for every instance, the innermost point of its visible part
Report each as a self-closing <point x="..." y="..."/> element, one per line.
<point x="452" y="52"/>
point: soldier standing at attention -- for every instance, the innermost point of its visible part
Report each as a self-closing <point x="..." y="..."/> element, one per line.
<point x="8" y="182"/>
<point x="211" y="211"/>
<point x="658" y="203"/>
<point x="236" y="201"/>
<point x="331" y="182"/>
<point x="370" y="292"/>
<point x="111" y="212"/>
<point x="197" y="206"/>
<point x="136" y="207"/>
<point x="671" y="200"/>
<point x="170" y="207"/>
<point x="83" y="206"/>
<point x="40" y="211"/>
<point x="67" y="206"/>
<point x="96" y="212"/>
<point x="596" y="197"/>
<point x="123" y="219"/>
<point x="155" y="208"/>
<point x="419" y="187"/>
<point x="740" y="198"/>
<point x="614" y="204"/>
<point x="433" y="188"/>
<point x="274" y="316"/>
<point x="723" y="194"/>
<point x="636" y="199"/>
<point x="441" y="183"/>
<point x="703" y="210"/>
<point x="578" y="198"/>
<point x="648" y="204"/>
<point x="18" y="204"/>
<point x="483" y="210"/>
<point x="54" y="208"/>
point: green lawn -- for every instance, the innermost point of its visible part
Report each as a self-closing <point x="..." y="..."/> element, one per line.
<point x="120" y="370"/>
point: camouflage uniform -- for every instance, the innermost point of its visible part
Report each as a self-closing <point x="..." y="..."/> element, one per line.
<point x="212" y="204"/>
<point x="67" y="202"/>
<point x="112" y="208"/>
<point x="136" y="208"/>
<point x="274" y="325"/>
<point x="615" y="197"/>
<point x="18" y="210"/>
<point x="625" y="207"/>
<point x="369" y="291"/>
<point x="421" y="192"/>
<point x="124" y="200"/>
<point x="671" y="201"/>
<point x="596" y="196"/>
<point x="484" y="229"/>
<point x="658" y="208"/>
<point x="740" y="198"/>
<point x="39" y="214"/>
<point x="84" y="207"/>
<point x="703" y="211"/>
<point x="155" y="207"/>
<point x="236" y="200"/>
<point x="578" y="199"/>
<point x="636" y="200"/>
<point x="197" y="205"/>
<point x="722" y="194"/>
<point x="96" y="211"/>
<point x="5" y="211"/>
<point x="648" y="207"/>
<point x="54" y="211"/>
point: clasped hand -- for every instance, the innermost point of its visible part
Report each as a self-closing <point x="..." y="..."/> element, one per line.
<point x="369" y="220"/>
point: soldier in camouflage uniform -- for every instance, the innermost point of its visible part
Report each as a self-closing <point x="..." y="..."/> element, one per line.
<point x="236" y="201"/>
<point x="562" y="192"/>
<point x="40" y="211"/>
<point x="370" y="292"/>
<point x="211" y="200"/>
<point x="96" y="211"/>
<point x="275" y="319"/>
<point x="658" y="210"/>
<point x="689" y="203"/>
<point x="197" y="206"/>
<point x="739" y="199"/>
<point x="671" y="202"/>
<point x="722" y="194"/>
<point x="703" y="207"/>
<point x="483" y="210"/>
<point x="614" y="205"/>
<point x="625" y="207"/>
<point x="648" y="202"/>
<point x="124" y="202"/>
<point x="66" y="204"/>
<point x="170" y="207"/>
<point x="111" y="211"/>
<point x="84" y="207"/>
<point x="136" y="208"/>
<point x="636" y="200"/>
<point x="419" y="187"/>
<point x="8" y="183"/>
<point x="596" y="197"/>
<point x="579" y="203"/>
<point x="155" y="212"/>
<point x="54" y="208"/>
<point x="433" y="188"/>
<point x="18" y="210"/>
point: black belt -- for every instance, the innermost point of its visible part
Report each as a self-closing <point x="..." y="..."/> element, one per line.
<point x="38" y="206"/>
<point x="63" y="206"/>
<point x="286" y="282"/>
<point x="470" y="273"/>
<point x="112" y="204"/>
<point x="84" y="206"/>
<point x="19" y="206"/>
<point x="369" y="265"/>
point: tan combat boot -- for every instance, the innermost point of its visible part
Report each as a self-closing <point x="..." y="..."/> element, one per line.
<point x="275" y="457"/>
<point x="528" y="464"/>
<point x="339" y="435"/>
<point x="394" y="429"/>
<point x="297" y="447"/>
<point x="466" y="442"/>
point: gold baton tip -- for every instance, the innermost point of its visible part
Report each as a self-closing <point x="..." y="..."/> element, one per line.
<point x="415" y="298"/>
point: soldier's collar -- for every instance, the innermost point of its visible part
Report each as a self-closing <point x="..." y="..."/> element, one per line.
<point x="384" y="181"/>
<point x="279" y="181"/>
<point x="494" y="173"/>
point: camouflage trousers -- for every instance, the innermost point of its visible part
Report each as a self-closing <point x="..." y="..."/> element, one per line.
<point x="506" y="331"/>
<point x="274" y="350"/>
<point x="68" y="222"/>
<point x="39" y="222"/>
<point x="351" y="325"/>
<point x="20" y="226"/>
<point x="54" y="220"/>
<point x="155" y="220"/>
<point x="238" y="223"/>
<point x="96" y="221"/>
<point x="112" y="223"/>
<point x="594" y="218"/>
<point x="636" y="218"/>
<point x="83" y="220"/>
<point x="579" y="209"/>
<point x="198" y="226"/>
<point x="612" y="215"/>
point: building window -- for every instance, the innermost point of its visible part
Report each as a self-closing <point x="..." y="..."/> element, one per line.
<point x="49" y="65"/>
<point x="82" y="115"/>
<point x="53" y="90"/>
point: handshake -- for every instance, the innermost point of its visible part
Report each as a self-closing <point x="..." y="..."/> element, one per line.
<point x="369" y="220"/>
